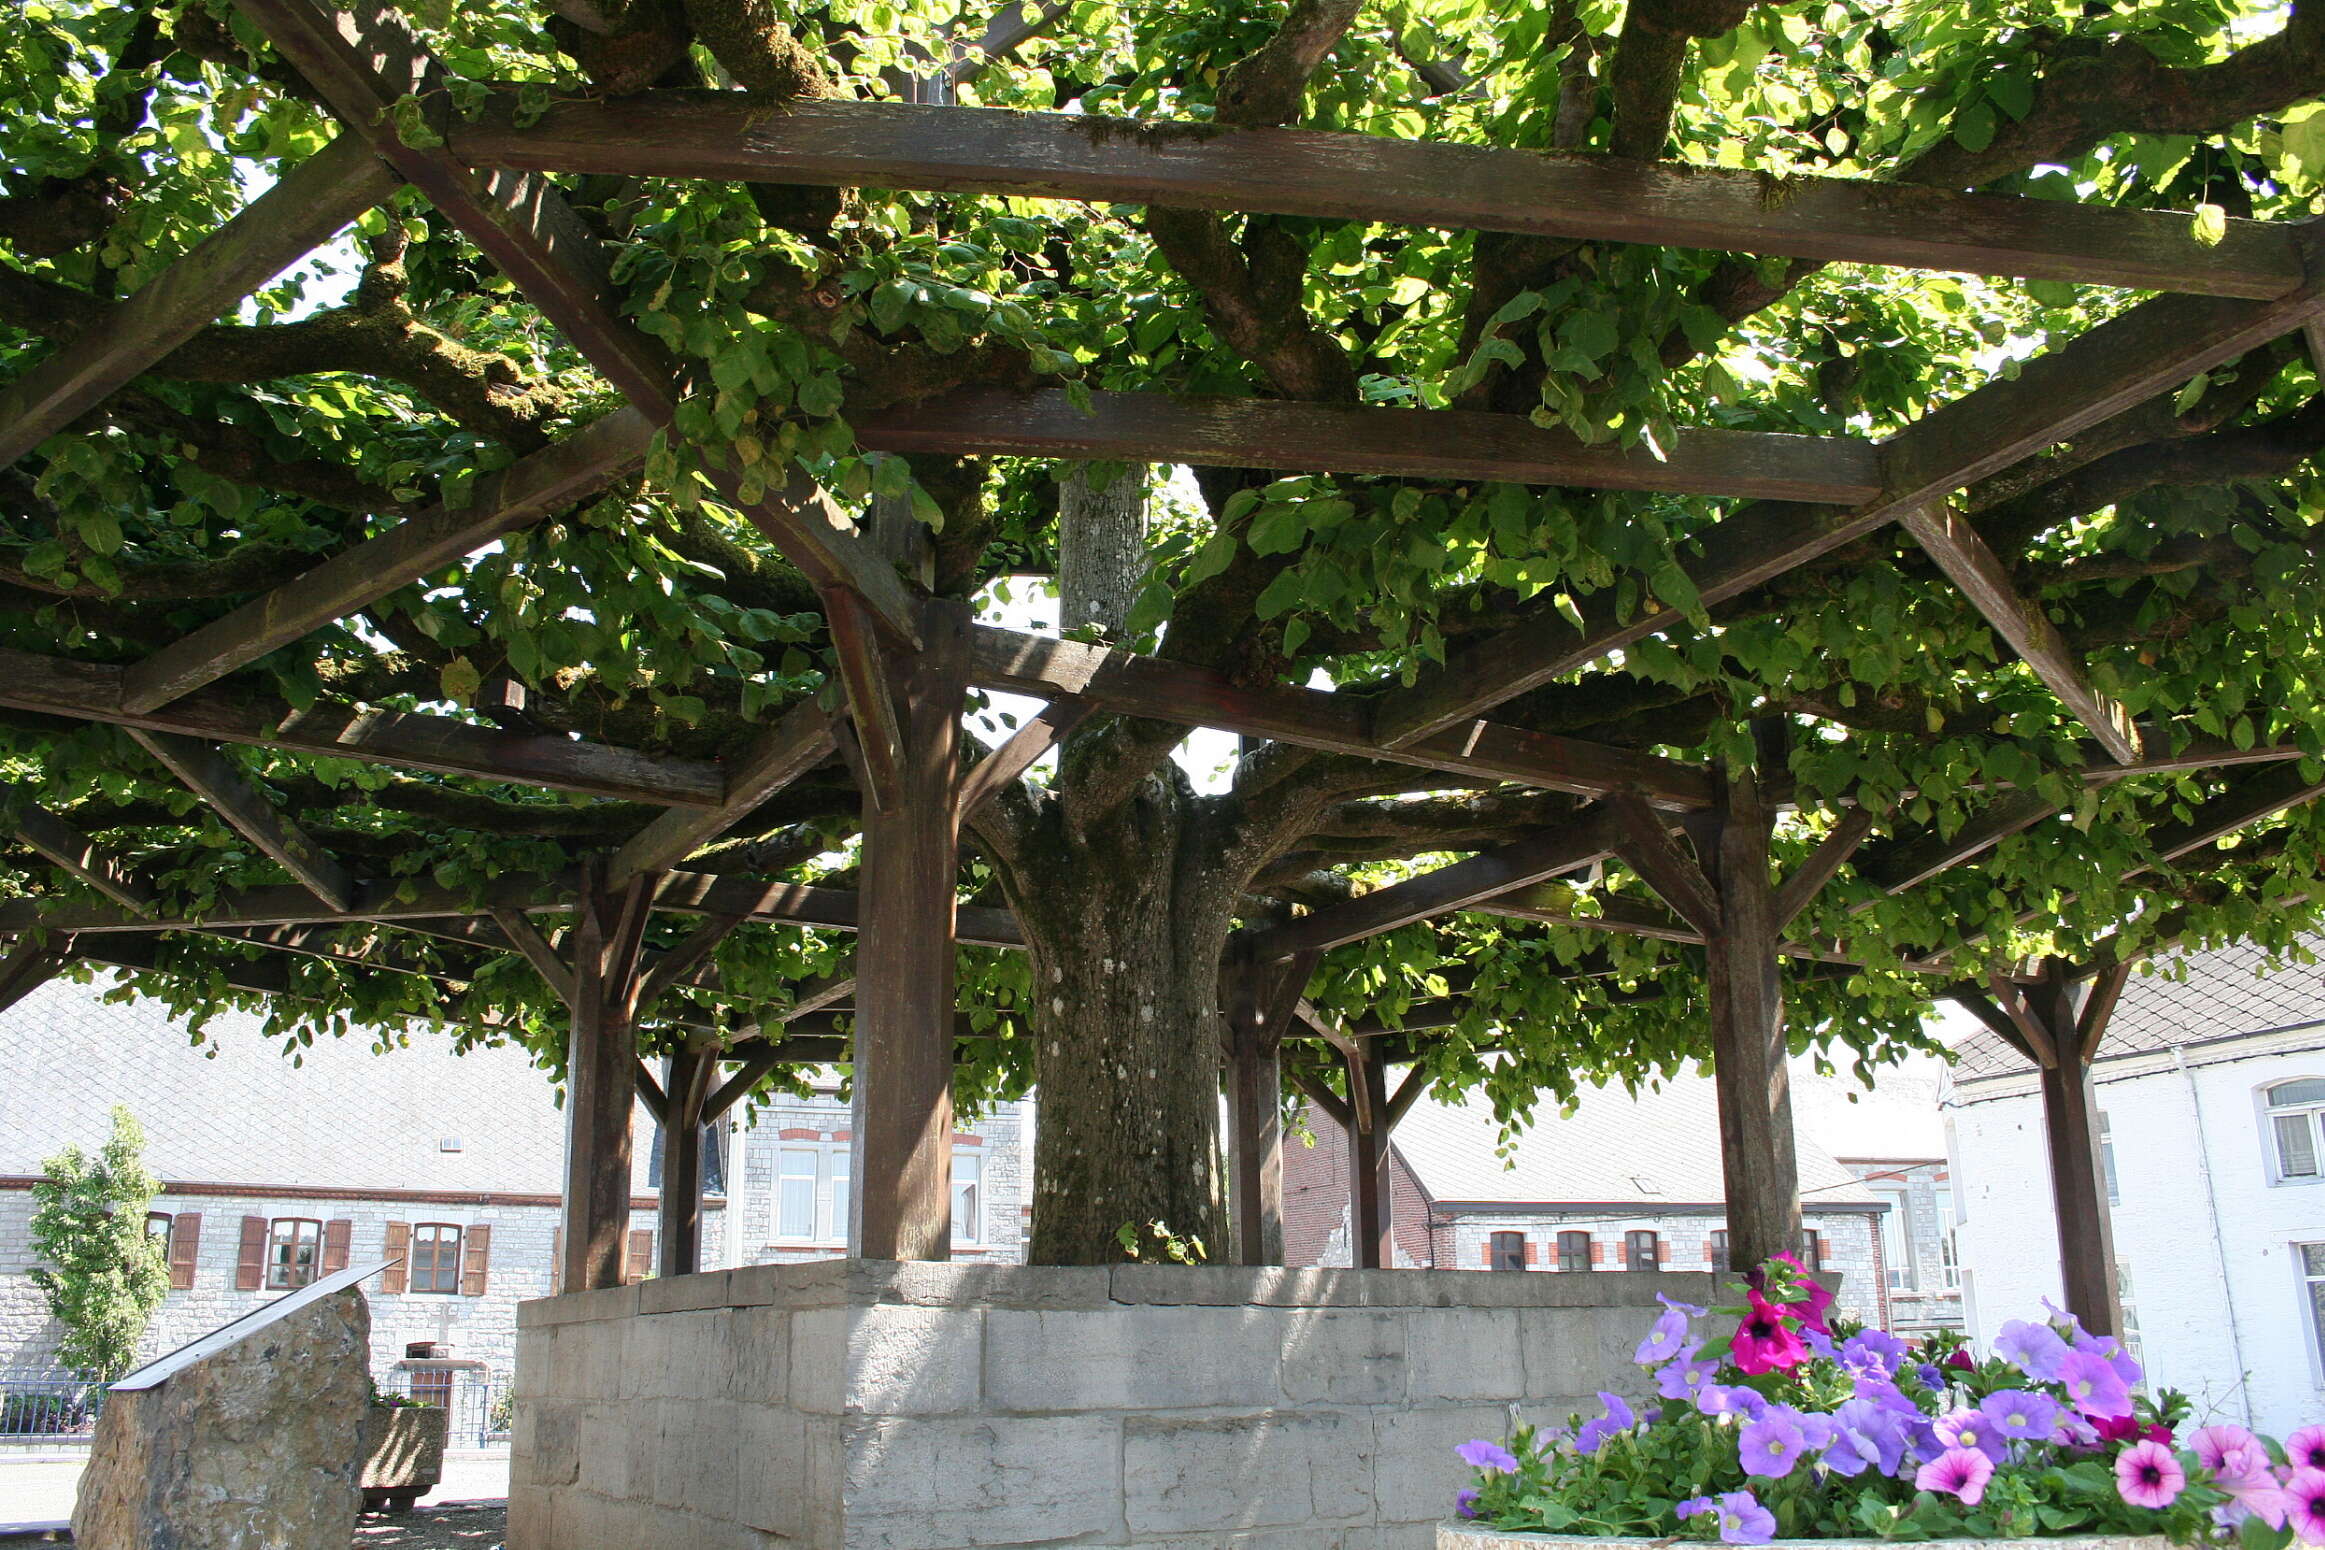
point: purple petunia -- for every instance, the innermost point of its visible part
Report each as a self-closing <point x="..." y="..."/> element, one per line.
<point x="1594" y="1433"/>
<point x="1465" y="1503"/>
<point x="1957" y="1472"/>
<point x="1970" y="1429"/>
<point x="2020" y="1415"/>
<point x="2110" y="1350"/>
<point x="1874" y="1351"/>
<point x="1481" y="1454"/>
<point x="1664" y="1341"/>
<point x="1723" y="1399"/>
<point x="1930" y="1377"/>
<point x="1685" y="1376"/>
<point x="1694" y="1507"/>
<point x="2092" y="1385"/>
<point x="2253" y="1492"/>
<point x="1743" y="1521"/>
<point x="1771" y="1446"/>
<point x="2147" y="1475"/>
<point x="2229" y="1450"/>
<point x="2034" y="1349"/>
<point x="2305" y="1502"/>
<point x="1674" y="1305"/>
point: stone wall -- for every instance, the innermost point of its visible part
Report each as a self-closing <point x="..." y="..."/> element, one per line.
<point x="859" y="1405"/>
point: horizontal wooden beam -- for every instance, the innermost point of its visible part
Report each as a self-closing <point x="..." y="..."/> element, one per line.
<point x="795" y="744"/>
<point x="300" y="212"/>
<point x="2248" y="800"/>
<point x="91" y="691"/>
<point x="1901" y="863"/>
<point x="206" y="772"/>
<point x="1443" y="890"/>
<point x="1130" y="684"/>
<point x="1347" y="439"/>
<point x="79" y="855"/>
<point x="501" y="502"/>
<point x="732" y="137"/>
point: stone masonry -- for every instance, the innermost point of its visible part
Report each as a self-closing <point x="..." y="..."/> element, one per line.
<point x="860" y="1405"/>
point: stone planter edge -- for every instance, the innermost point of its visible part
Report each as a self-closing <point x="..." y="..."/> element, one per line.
<point x="1471" y="1536"/>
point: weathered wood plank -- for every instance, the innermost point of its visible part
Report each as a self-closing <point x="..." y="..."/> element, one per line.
<point x="797" y="743"/>
<point x="600" y="1075"/>
<point x="513" y="497"/>
<point x="1021" y="751"/>
<point x="1640" y="838"/>
<point x="1823" y="864"/>
<point x="1337" y="438"/>
<point x="91" y="691"/>
<point x="688" y="1075"/>
<point x="731" y="137"/>
<point x="79" y="855"/>
<point x="301" y="212"/>
<point x="671" y="968"/>
<point x="247" y="810"/>
<point x="1947" y="537"/>
<point x="535" y="949"/>
<point x="1135" y="685"/>
<point x="864" y="671"/>
<point x="1444" y="890"/>
<point x="2248" y="800"/>
<point x="1902" y="863"/>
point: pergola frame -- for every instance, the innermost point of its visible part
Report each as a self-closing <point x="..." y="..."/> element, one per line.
<point x="906" y="660"/>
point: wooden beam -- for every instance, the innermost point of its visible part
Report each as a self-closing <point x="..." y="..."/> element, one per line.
<point x="1902" y="863"/>
<point x="688" y="1075"/>
<point x="864" y="672"/>
<point x="501" y="502"/>
<point x="1350" y="439"/>
<point x="79" y="855"/>
<point x="28" y="966"/>
<point x="1945" y="534"/>
<point x="1444" y="890"/>
<point x="2034" y="1037"/>
<point x="600" y="1076"/>
<point x="1371" y="1207"/>
<point x="1334" y="1106"/>
<point x="730" y="137"/>
<point x="1823" y="864"/>
<point x="651" y="1094"/>
<point x="2098" y="1008"/>
<point x="671" y="967"/>
<point x="1024" y="747"/>
<point x="757" y="1059"/>
<point x="251" y="813"/>
<point x="795" y="744"/>
<point x="362" y="68"/>
<point x="2247" y="801"/>
<point x="1408" y="1093"/>
<point x="1256" y="1003"/>
<point x="815" y="995"/>
<point x="534" y="948"/>
<point x="91" y="691"/>
<point x="1130" y="684"/>
<point x="1646" y="846"/>
<point x="304" y="209"/>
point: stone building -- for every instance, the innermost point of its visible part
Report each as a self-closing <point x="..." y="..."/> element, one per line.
<point x="1893" y="1142"/>
<point x="1625" y="1182"/>
<point x="2211" y="1095"/>
<point x="274" y="1172"/>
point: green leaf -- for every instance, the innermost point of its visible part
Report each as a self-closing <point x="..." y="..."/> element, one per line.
<point x="1974" y="127"/>
<point x="1282" y="594"/>
<point x="1211" y="559"/>
<point x="459" y="680"/>
<point x="2209" y="225"/>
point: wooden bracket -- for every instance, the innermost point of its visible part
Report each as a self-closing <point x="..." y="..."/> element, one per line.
<point x="1021" y="750"/>
<point x="871" y="699"/>
<point x="526" y="937"/>
<point x="84" y="858"/>
<point x="1643" y="842"/>
<point x="1823" y="864"/>
<point x="206" y="772"/>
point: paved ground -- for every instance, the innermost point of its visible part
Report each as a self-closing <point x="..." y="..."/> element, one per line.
<point x="39" y="1488"/>
<point x="447" y="1528"/>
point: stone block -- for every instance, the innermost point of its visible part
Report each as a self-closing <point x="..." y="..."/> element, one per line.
<point x="819" y="1359"/>
<point x="914" y="1360"/>
<point x="1464" y="1353"/>
<point x="1415" y="1471"/>
<point x="1131" y="1359"/>
<point x="942" y="1483"/>
<point x="1188" y="1474"/>
<point x="256" y="1444"/>
<point x="758" y="1350"/>
<point x="678" y="1294"/>
<point x="1354" y="1356"/>
<point x="698" y="1463"/>
<point x="546" y="1447"/>
<point x="1574" y="1350"/>
<point x="773" y="1484"/>
<point x="612" y="1302"/>
<point x="609" y="1436"/>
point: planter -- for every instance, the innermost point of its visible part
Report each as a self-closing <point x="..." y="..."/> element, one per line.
<point x="1470" y="1536"/>
<point x="403" y="1455"/>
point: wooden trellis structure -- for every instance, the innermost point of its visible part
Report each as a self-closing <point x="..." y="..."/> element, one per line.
<point x="907" y="659"/>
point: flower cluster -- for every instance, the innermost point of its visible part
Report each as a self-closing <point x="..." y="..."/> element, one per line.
<point x="1798" y="1425"/>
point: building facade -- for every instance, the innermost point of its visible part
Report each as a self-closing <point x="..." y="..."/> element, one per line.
<point x="1624" y="1182"/>
<point x="2211" y="1090"/>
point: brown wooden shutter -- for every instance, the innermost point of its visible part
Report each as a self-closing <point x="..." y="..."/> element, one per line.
<point x="1663" y="1251"/>
<point x="185" y="1246"/>
<point x="641" y="1262"/>
<point x="338" y="1237"/>
<point x="1529" y="1251"/>
<point x="475" y="1261"/>
<point x="1485" y="1254"/>
<point x="556" y="1261"/>
<point x="398" y="1276"/>
<point x="1597" y="1251"/>
<point x="250" y="1264"/>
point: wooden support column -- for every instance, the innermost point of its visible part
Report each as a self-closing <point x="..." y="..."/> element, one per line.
<point x="904" y="965"/>
<point x="1371" y="1243"/>
<point x="686" y="1083"/>
<point x="1256" y="1002"/>
<point x="600" y="1076"/>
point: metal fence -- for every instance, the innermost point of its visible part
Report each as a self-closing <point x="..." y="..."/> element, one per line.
<point x="478" y="1402"/>
<point x="38" y="1402"/>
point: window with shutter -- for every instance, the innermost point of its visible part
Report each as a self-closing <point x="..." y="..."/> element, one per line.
<point x="1574" y="1251"/>
<point x="1719" y="1249"/>
<point x="185" y="1249"/>
<point x="1811" y="1249"/>
<point x="641" y="1257"/>
<point x="436" y="1258"/>
<point x="476" y="1262"/>
<point x="397" y="1276"/>
<point x="250" y="1262"/>
<point x="338" y="1240"/>
<point x="2296" y="1145"/>
<point x="294" y="1247"/>
<point x="1641" y="1251"/>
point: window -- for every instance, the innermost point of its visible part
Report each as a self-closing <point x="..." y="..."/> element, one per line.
<point x="1949" y="1244"/>
<point x="2107" y="1160"/>
<point x="294" y="1248"/>
<point x="1508" y="1251"/>
<point x="435" y="1258"/>
<point x="1898" y="1268"/>
<point x="2295" y="1110"/>
<point x="1642" y="1251"/>
<point x="968" y="1198"/>
<point x="2130" y="1309"/>
<point x="1719" y="1249"/>
<point x="1811" y="1249"/>
<point x="157" y="1227"/>
<point x="1574" y="1251"/>
<point x="811" y="1194"/>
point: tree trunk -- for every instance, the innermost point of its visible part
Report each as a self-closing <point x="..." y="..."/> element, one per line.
<point x="1101" y="547"/>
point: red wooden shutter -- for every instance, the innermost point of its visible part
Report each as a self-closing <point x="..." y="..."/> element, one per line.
<point x="1530" y="1251"/>
<point x="475" y="1261"/>
<point x="185" y="1246"/>
<point x="1662" y="1251"/>
<point x="1485" y="1254"/>
<point x="1597" y="1251"/>
<point x="338" y="1236"/>
<point x="399" y="1248"/>
<point x="641" y="1263"/>
<point x="250" y="1264"/>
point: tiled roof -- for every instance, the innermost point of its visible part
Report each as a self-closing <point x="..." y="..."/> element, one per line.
<point x="2186" y="1000"/>
<point x="1660" y="1147"/>
<point x="235" y="1110"/>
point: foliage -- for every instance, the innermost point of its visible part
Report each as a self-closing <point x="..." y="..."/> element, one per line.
<point x="1157" y="1242"/>
<point x="1792" y="1425"/>
<point x="103" y="1274"/>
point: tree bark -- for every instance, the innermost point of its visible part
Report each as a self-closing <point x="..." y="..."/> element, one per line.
<point x="1101" y="547"/>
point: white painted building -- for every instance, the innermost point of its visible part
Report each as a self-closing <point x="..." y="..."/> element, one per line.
<point x="2211" y="1090"/>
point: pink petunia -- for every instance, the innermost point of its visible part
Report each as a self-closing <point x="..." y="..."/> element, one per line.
<point x="2147" y="1475"/>
<point x="2228" y="1450"/>
<point x="1764" y="1342"/>
<point x="1957" y="1472"/>
<point x="2306" y="1448"/>
<point x="2305" y="1502"/>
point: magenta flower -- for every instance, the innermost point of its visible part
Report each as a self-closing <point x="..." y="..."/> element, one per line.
<point x="2034" y="1349"/>
<point x="2021" y="1415"/>
<point x="1743" y="1521"/>
<point x="1959" y="1359"/>
<point x="1815" y="1295"/>
<point x="2305" y="1502"/>
<point x="2128" y="1427"/>
<point x="1764" y="1342"/>
<point x="1771" y="1445"/>
<point x="1481" y="1454"/>
<point x="2147" y="1475"/>
<point x="2305" y="1449"/>
<point x="2093" y="1386"/>
<point x="1957" y="1472"/>
<point x="1971" y="1429"/>
<point x="2252" y="1493"/>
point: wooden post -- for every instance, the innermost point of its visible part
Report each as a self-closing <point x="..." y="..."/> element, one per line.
<point x="600" y="1076"/>
<point x="686" y="1082"/>
<point x="2070" y="1112"/>
<point x="1747" y="1025"/>
<point x="904" y="966"/>
<point x="1256" y="1002"/>
<point x="1370" y="1242"/>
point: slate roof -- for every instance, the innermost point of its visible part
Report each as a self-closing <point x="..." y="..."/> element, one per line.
<point x="344" y="1118"/>
<point x="2222" y="994"/>
<point x="1658" y="1149"/>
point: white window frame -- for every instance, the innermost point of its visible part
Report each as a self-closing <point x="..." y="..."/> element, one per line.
<point x="2272" y="1111"/>
<point x="1949" y="1266"/>
<point x="2311" y="1319"/>
<point x="968" y="1226"/>
<point x="833" y="1164"/>
<point x="1902" y="1267"/>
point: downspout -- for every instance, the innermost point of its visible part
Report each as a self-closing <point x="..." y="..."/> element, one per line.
<point x="2219" y="1241"/>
